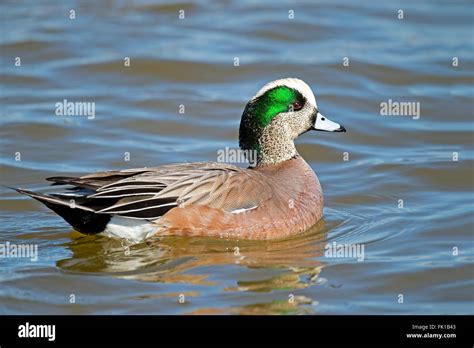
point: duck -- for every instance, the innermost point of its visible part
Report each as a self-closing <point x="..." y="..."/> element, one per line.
<point x="277" y="196"/>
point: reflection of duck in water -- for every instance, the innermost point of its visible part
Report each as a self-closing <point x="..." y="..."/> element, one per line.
<point x="249" y="266"/>
<point x="279" y="197"/>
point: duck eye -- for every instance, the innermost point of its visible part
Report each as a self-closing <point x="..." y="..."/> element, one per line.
<point x="297" y="106"/>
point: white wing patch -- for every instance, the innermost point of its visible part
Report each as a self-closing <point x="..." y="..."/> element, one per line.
<point x="131" y="229"/>
<point x="238" y="211"/>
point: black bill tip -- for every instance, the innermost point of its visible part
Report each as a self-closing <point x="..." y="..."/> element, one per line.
<point x="340" y="129"/>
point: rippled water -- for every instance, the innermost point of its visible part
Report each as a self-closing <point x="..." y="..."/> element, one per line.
<point x="399" y="193"/>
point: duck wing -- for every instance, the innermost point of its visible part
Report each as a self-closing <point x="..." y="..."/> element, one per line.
<point x="90" y="201"/>
<point x="149" y="193"/>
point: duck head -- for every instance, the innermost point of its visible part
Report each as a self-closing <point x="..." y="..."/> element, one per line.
<point x="281" y="111"/>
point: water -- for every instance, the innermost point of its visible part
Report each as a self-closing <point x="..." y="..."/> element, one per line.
<point x="420" y="247"/>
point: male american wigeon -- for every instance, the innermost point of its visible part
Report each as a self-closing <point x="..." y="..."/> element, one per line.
<point x="278" y="197"/>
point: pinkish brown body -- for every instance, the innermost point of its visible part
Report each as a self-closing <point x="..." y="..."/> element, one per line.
<point x="295" y="203"/>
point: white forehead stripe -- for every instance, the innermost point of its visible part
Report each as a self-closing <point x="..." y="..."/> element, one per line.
<point x="294" y="83"/>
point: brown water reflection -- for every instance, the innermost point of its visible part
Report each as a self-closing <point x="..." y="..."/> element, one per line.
<point x="166" y="259"/>
<point x="181" y="260"/>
